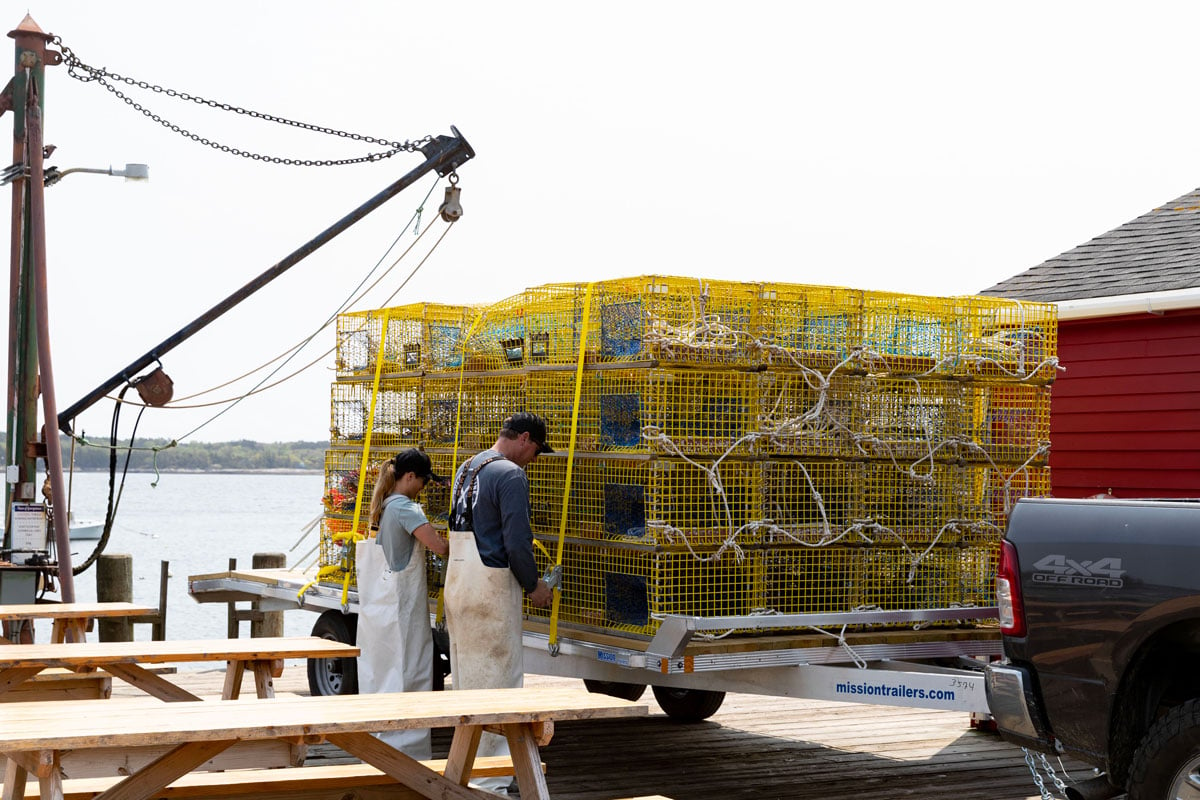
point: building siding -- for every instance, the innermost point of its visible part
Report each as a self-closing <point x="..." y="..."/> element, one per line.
<point x="1125" y="413"/>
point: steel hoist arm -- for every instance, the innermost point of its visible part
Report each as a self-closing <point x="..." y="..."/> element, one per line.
<point x="443" y="154"/>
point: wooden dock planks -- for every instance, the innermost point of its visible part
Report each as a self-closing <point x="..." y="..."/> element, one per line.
<point x="756" y="747"/>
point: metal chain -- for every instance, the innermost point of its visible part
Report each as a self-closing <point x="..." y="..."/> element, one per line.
<point x="1037" y="775"/>
<point x="1058" y="782"/>
<point x="88" y="74"/>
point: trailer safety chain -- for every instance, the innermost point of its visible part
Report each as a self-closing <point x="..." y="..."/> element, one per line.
<point x="1044" y="764"/>
<point x="88" y="74"/>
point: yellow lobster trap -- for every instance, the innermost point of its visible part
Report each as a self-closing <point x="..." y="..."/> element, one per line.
<point x="420" y="336"/>
<point x="468" y="408"/>
<point x="1008" y="340"/>
<point x="906" y="420"/>
<point x="677" y="320"/>
<point x="803" y="414"/>
<point x="991" y="493"/>
<point x="807" y="327"/>
<point x="623" y="587"/>
<point x="691" y="412"/>
<point x="392" y="414"/>
<point x="812" y="580"/>
<point x="1007" y="424"/>
<point x="909" y="334"/>
<point x="810" y="501"/>
<point x="661" y="501"/>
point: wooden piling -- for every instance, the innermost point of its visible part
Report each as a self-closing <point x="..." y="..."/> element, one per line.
<point x="114" y="583"/>
<point x="231" y="625"/>
<point x="158" y="631"/>
<point x="271" y="622"/>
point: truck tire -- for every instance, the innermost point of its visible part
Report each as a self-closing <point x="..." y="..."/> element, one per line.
<point x="1167" y="762"/>
<point x="688" y="705"/>
<point x="330" y="676"/>
<point x="625" y="691"/>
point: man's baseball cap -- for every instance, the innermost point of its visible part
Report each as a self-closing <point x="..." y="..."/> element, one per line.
<point x="535" y="426"/>
<point x="415" y="461"/>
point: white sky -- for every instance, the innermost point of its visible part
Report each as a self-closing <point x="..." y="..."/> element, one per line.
<point x="934" y="148"/>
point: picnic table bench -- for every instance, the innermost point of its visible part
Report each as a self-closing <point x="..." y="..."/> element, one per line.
<point x="127" y="660"/>
<point x="60" y="684"/>
<point x="70" y="620"/>
<point x="322" y="782"/>
<point x="34" y="736"/>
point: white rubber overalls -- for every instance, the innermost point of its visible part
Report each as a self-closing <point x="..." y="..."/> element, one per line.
<point x="483" y="614"/>
<point x="394" y="636"/>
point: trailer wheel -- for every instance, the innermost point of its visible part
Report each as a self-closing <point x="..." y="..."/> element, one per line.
<point x="330" y="676"/>
<point x="441" y="659"/>
<point x="625" y="691"/>
<point x="1167" y="762"/>
<point x="688" y="705"/>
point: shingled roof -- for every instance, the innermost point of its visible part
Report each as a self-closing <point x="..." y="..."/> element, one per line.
<point x="1156" y="252"/>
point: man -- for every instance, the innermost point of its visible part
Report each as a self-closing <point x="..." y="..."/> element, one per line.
<point x="491" y="565"/>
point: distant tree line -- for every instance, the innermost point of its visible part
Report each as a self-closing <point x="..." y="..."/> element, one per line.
<point x="243" y="455"/>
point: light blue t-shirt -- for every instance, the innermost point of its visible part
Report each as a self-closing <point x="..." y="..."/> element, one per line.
<point x="401" y="516"/>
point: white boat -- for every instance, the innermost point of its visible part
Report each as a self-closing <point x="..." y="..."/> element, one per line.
<point x="84" y="528"/>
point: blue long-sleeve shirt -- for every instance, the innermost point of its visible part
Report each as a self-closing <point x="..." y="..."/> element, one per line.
<point x="500" y="516"/>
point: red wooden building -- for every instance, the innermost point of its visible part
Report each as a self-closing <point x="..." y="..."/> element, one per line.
<point x="1125" y="410"/>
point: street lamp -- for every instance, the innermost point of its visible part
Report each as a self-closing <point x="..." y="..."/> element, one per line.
<point x="52" y="175"/>
<point x="132" y="172"/>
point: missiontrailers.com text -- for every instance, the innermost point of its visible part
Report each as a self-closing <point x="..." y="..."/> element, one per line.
<point x="883" y="690"/>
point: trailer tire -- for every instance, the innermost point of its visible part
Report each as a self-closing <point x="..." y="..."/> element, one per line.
<point x="1167" y="762"/>
<point x="441" y="659"/>
<point x="333" y="676"/>
<point x="625" y="691"/>
<point x="688" y="705"/>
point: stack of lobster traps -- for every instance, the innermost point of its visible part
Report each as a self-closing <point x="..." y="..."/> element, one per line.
<point x="722" y="448"/>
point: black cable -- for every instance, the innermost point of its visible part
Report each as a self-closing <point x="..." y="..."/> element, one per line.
<point x="114" y="494"/>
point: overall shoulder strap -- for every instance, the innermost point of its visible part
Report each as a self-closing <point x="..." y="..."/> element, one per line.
<point x="466" y="520"/>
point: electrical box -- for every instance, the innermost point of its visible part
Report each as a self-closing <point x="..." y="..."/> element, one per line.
<point x="18" y="585"/>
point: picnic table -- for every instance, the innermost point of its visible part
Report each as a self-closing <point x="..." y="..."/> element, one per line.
<point x="70" y="620"/>
<point x="34" y="736"/>
<point x="129" y="660"/>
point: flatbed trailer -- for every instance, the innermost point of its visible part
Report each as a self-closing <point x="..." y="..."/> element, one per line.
<point x="918" y="658"/>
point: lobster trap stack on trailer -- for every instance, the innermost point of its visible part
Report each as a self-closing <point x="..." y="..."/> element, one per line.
<point x="758" y="451"/>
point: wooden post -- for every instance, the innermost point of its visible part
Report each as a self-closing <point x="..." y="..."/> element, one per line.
<point x="158" y="631"/>
<point x="231" y="624"/>
<point x="114" y="583"/>
<point x="271" y="623"/>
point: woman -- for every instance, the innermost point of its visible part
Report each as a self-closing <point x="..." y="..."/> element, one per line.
<point x="394" y="636"/>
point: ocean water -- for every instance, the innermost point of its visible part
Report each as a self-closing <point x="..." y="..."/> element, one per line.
<point x="197" y="522"/>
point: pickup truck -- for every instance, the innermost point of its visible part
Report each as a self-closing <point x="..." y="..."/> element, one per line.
<point x="1100" y="616"/>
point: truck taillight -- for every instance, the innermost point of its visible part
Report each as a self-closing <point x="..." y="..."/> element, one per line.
<point x="1008" y="592"/>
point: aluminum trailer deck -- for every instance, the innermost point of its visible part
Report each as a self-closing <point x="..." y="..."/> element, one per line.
<point x="923" y="664"/>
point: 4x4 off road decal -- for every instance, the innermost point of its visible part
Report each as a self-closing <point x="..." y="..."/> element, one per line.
<point x="1063" y="571"/>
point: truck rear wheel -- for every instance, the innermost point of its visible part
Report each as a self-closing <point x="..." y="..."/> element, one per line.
<point x="688" y="705"/>
<point x="330" y="676"/>
<point x="1167" y="762"/>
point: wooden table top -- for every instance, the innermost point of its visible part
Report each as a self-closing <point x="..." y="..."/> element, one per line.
<point x="73" y="610"/>
<point x="75" y="654"/>
<point x="72" y="724"/>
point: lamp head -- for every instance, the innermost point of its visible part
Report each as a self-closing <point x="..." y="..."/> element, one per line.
<point x="134" y="172"/>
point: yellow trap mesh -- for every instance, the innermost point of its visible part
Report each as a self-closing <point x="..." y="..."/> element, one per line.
<point x="741" y="448"/>
<point x="423" y="336"/>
